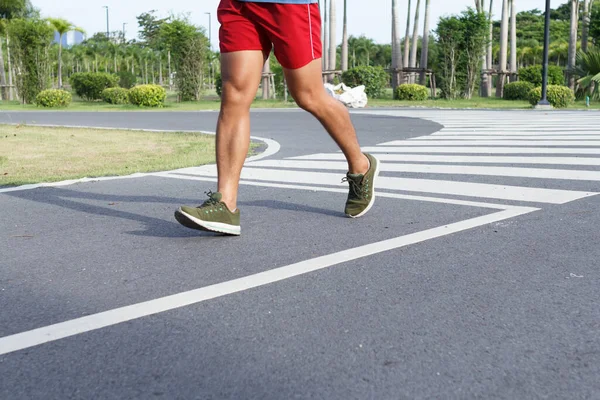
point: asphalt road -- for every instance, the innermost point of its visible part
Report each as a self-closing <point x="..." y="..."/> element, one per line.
<point x="474" y="276"/>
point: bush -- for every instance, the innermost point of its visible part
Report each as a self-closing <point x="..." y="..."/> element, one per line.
<point x="518" y="90"/>
<point x="533" y="74"/>
<point x="127" y="80"/>
<point x="375" y="79"/>
<point x="89" y="85"/>
<point x="147" y="95"/>
<point x="115" y="95"/>
<point x="412" y="92"/>
<point x="558" y="96"/>
<point x="53" y="98"/>
<point x="219" y="84"/>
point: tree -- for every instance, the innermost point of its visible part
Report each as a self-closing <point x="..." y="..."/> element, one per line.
<point x="332" y="37"/>
<point x="415" y="40"/>
<point x="31" y="41"/>
<point x="396" y="47"/>
<point x="513" y="42"/>
<point x="406" y="60"/>
<point x="503" y="50"/>
<point x="345" y="38"/>
<point x="587" y="8"/>
<point x="425" y="44"/>
<point x="588" y="71"/>
<point x="62" y="26"/>
<point x="573" y="41"/>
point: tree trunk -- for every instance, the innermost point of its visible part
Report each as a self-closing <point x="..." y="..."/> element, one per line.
<point x="415" y="42"/>
<point x="573" y="41"/>
<point x="332" y="37"/>
<point x="60" y="62"/>
<point x="265" y="80"/>
<point x="345" y="38"/>
<point x="396" y="47"/>
<point x="587" y="9"/>
<point x="490" y="52"/>
<point x="406" y="55"/>
<point x="325" y="37"/>
<point x="503" y="49"/>
<point x="425" y="44"/>
<point x="160" y="71"/>
<point x="513" y="42"/>
<point x="3" y="76"/>
<point x="169" y="68"/>
<point x="11" y="92"/>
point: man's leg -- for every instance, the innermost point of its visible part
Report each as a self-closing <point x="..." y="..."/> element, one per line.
<point x="241" y="72"/>
<point x="306" y="86"/>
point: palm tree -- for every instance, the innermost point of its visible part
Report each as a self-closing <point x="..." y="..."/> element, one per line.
<point x="345" y="38"/>
<point x="332" y="37"/>
<point x="490" y="49"/>
<point x="513" y="41"/>
<point x="415" y="41"/>
<point x="587" y="9"/>
<point x="425" y="44"/>
<point x="588" y="69"/>
<point x="405" y="61"/>
<point x="503" y="49"/>
<point x="62" y="26"/>
<point x="2" y="70"/>
<point x="325" y="37"/>
<point x="396" y="46"/>
<point x="573" y="41"/>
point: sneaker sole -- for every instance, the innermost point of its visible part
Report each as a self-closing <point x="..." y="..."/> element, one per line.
<point x="375" y="177"/>
<point x="194" y="223"/>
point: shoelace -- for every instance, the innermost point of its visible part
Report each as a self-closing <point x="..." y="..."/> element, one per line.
<point x="354" y="187"/>
<point x="211" y="202"/>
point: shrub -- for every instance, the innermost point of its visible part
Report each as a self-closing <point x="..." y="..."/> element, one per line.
<point x="518" y="90"/>
<point x="558" y="96"/>
<point x="219" y="84"/>
<point x="375" y="79"/>
<point x="53" y="98"/>
<point x="115" y="95"/>
<point x="89" y="85"/>
<point x="147" y="95"/>
<point x="412" y="92"/>
<point x="127" y="80"/>
<point x="533" y="74"/>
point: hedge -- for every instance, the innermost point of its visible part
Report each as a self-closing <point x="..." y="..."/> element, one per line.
<point x="52" y="98"/>
<point x="148" y="95"/>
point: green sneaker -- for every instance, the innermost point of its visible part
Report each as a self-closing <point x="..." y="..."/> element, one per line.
<point x="362" y="189"/>
<point x="212" y="216"/>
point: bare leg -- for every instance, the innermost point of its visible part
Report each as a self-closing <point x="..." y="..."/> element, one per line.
<point x="306" y="86"/>
<point x="241" y="72"/>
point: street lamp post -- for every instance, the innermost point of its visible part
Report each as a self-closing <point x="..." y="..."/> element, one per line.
<point x="209" y="29"/>
<point x="124" y="39"/>
<point x="107" y="24"/>
<point x="544" y="101"/>
<point x="210" y="70"/>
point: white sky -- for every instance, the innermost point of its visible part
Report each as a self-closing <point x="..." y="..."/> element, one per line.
<point x="370" y="17"/>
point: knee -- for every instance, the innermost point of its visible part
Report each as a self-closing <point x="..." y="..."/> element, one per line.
<point x="310" y="101"/>
<point x="235" y="95"/>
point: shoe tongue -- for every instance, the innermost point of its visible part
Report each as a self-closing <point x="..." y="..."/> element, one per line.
<point x="355" y="177"/>
<point x="216" y="196"/>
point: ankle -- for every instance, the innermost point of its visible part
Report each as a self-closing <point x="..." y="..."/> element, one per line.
<point x="361" y="166"/>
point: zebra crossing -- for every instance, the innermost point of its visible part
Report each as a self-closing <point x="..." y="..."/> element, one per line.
<point x="471" y="159"/>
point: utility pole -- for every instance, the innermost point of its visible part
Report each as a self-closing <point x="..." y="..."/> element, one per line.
<point x="544" y="103"/>
<point x="107" y="24"/>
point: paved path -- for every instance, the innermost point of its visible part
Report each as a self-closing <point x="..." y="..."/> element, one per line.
<point x="475" y="276"/>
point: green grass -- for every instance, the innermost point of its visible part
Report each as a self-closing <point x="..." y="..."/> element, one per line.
<point x="212" y="102"/>
<point x="37" y="154"/>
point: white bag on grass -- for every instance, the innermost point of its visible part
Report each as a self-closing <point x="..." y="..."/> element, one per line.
<point x="350" y="97"/>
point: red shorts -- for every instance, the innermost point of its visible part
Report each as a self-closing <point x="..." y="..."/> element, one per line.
<point x="293" y="30"/>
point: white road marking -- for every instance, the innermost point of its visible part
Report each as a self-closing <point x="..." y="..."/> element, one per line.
<point x="465" y="159"/>
<point x="482" y="190"/>
<point x="543" y="173"/>
<point x="540" y="138"/>
<point x="36" y="337"/>
<point x="516" y="143"/>
<point x="482" y="150"/>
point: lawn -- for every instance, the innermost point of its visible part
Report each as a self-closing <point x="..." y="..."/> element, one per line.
<point x="31" y="154"/>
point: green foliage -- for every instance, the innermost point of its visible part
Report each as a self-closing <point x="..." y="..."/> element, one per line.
<point x="52" y="98"/>
<point x="10" y="9"/>
<point x="375" y="79"/>
<point x="558" y="96"/>
<point x="115" y="95"/>
<point x="518" y="90"/>
<point x="588" y="70"/>
<point x="147" y="95"/>
<point x="412" y="92"/>
<point x="533" y="74"/>
<point x="461" y="42"/>
<point x="127" y="80"/>
<point x="30" y="45"/>
<point x="89" y="85"/>
<point x="219" y="84"/>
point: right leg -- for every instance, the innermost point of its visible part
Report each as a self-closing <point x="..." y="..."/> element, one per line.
<point x="240" y="72"/>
